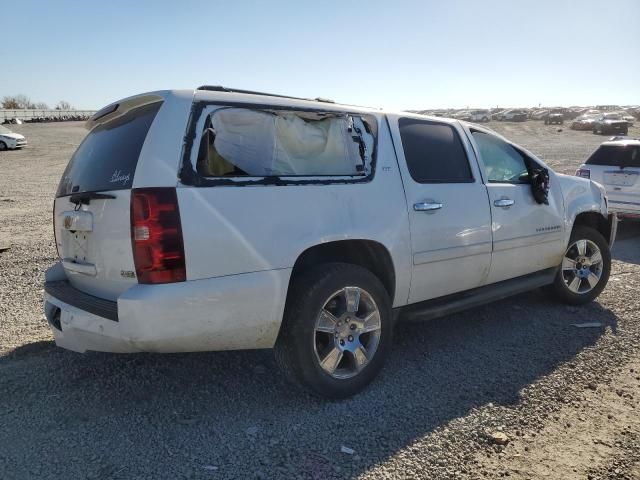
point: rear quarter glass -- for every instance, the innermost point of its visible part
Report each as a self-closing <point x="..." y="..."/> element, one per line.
<point x="107" y="157"/>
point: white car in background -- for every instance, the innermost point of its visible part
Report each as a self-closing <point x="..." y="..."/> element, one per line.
<point x="10" y="140"/>
<point x="627" y="117"/>
<point x="514" y="115"/>
<point x="616" y="165"/>
<point x="480" y="115"/>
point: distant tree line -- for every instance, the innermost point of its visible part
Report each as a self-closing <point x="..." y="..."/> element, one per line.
<point x="22" y="102"/>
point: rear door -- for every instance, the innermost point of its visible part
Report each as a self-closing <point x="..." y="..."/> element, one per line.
<point x="449" y="214"/>
<point x="617" y="167"/>
<point x="92" y="206"/>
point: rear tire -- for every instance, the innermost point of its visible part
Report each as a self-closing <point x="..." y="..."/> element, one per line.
<point x="329" y="343"/>
<point x="585" y="267"/>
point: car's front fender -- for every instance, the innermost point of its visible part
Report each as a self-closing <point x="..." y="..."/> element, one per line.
<point x="581" y="196"/>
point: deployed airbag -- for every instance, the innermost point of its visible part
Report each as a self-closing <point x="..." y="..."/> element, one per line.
<point x="266" y="143"/>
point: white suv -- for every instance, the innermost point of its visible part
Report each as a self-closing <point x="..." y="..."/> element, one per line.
<point x="480" y="116"/>
<point x="616" y="165"/>
<point x="224" y="219"/>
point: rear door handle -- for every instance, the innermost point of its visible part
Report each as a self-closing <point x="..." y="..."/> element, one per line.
<point x="427" y="206"/>
<point x="504" y="202"/>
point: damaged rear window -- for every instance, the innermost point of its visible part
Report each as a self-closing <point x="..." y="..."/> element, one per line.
<point x="241" y="142"/>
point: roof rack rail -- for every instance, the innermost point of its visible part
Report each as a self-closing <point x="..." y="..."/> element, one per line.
<point x="220" y="88"/>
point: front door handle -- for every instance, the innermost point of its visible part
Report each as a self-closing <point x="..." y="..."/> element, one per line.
<point x="504" y="202"/>
<point x="427" y="206"/>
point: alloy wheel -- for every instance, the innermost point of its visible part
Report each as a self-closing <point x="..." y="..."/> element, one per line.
<point x="582" y="266"/>
<point x="347" y="332"/>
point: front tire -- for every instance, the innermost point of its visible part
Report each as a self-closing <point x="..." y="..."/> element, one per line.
<point x="585" y="267"/>
<point x="336" y="331"/>
<point x="3" y="146"/>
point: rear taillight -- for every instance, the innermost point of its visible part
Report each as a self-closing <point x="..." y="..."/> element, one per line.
<point x="583" y="172"/>
<point x="156" y="236"/>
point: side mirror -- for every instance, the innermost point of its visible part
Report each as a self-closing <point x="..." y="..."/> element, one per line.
<point x="540" y="185"/>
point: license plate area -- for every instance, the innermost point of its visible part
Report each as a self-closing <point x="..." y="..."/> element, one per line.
<point x="77" y="221"/>
<point x="621" y="179"/>
<point x="76" y="247"/>
<point x="77" y="226"/>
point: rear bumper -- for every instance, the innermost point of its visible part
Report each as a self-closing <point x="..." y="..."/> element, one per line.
<point x="614" y="128"/>
<point x="63" y="291"/>
<point x="225" y="313"/>
<point x="623" y="208"/>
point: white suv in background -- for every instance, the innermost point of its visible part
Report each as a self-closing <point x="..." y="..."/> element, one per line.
<point x="480" y="115"/>
<point x="616" y="165"/>
<point x="222" y="219"/>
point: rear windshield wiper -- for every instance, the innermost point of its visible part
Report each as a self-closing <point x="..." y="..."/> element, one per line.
<point x="86" y="197"/>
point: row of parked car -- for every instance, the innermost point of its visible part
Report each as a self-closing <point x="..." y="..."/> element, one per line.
<point x="46" y="119"/>
<point x="604" y="122"/>
<point x="607" y="119"/>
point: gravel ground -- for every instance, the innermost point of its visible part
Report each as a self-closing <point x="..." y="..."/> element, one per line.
<point x="565" y="398"/>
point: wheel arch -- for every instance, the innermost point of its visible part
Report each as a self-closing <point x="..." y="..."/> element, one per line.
<point x="368" y="254"/>
<point x="596" y="221"/>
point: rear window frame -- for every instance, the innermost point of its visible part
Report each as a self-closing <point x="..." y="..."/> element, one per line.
<point x="189" y="175"/>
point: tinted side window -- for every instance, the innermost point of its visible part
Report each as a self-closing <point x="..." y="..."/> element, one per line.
<point x="502" y="162"/>
<point x="434" y="152"/>
<point x="107" y="157"/>
<point x="616" y="156"/>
